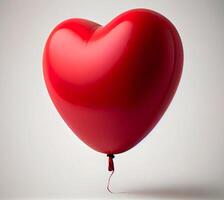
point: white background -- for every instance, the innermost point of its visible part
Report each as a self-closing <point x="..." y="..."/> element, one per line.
<point x="40" y="157"/>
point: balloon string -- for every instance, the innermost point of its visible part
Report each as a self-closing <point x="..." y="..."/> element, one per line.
<point x="110" y="168"/>
<point x="108" y="183"/>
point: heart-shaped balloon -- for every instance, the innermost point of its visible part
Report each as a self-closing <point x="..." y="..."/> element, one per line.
<point x="111" y="84"/>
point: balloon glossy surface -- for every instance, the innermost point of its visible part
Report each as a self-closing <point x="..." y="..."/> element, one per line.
<point x="111" y="84"/>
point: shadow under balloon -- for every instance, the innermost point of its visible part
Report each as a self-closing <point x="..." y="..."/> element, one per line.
<point x="177" y="192"/>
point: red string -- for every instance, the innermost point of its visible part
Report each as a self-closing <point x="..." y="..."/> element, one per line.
<point x="108" y="183"/>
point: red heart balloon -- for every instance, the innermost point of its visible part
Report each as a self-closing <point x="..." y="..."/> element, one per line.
<point x="112" y="84"/>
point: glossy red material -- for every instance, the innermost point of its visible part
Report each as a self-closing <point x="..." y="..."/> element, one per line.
<point x="111" y="84"/>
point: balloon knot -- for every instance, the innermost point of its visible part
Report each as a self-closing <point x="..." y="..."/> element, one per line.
<point x="110" y="162"/>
